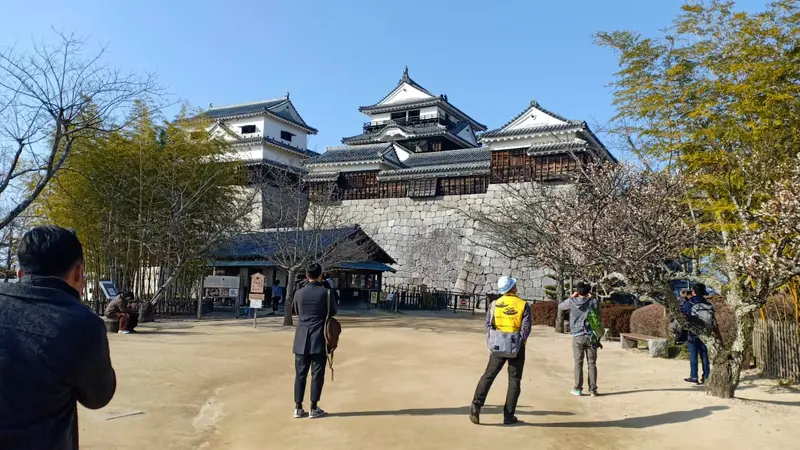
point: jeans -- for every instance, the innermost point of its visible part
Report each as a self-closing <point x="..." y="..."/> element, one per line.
<point x="582" y="349"/>
<point x="302" y="365"/>
<point x="697" y="346"/>
<point x="515" y="366"/>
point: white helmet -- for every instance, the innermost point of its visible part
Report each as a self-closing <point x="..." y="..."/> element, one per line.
<point x="504" y="284"/>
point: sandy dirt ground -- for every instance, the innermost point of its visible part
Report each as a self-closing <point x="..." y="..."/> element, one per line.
<point x="404" y="382"/>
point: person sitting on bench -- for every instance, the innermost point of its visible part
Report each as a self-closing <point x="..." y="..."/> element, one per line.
<point x="120" y="308"/>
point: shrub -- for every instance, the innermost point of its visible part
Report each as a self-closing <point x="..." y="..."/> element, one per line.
<point x="650" y="320"/>
<point x="617" y="318"/>
<point x="544" y="313"/>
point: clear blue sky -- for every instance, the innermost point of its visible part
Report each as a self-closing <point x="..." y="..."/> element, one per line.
<point x="490" y="58"/>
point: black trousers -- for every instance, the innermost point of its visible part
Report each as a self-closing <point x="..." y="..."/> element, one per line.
<point x="302" y="364"/>
<point x="515" y="366"/>
<point x="275" y="301"/>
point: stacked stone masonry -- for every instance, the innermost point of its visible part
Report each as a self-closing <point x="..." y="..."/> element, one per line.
<point x="436" y="245"/>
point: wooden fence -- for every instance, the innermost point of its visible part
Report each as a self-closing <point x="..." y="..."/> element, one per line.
<point x="776" y="347"/>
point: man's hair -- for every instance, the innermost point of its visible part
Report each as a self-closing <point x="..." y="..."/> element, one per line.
<point x="685" y="292"/>
<point x="49" y="251"/>
<point x="276" y="282"/>
<point x="699" y="289"/>
<point x="314" y="271"/>
<point x="127" y="295"/>
<point x="583" y="289"/>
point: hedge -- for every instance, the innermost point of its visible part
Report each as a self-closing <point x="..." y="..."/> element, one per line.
<point x="544" y="313"/>
<point x="617" y="318"/>
<point x="650" y="320"/>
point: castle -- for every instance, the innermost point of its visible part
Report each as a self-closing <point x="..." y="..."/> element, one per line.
<point x="418" y="161"/>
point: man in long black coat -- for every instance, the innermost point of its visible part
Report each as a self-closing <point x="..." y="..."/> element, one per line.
<point x="314" y="302"/>
<point x="53" y="349"/>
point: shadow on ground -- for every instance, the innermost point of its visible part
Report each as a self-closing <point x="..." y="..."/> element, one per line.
<point x="655" y="420"/>
<point x="458" y="411"/>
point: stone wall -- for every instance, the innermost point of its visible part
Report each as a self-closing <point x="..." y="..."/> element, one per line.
<point x="434" y="244"/>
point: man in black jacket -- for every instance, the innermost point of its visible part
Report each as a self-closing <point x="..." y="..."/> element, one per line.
<point x="314" y="304"/>
<point x="53" y="349"/>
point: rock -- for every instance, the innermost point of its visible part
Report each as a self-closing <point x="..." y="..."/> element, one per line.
<point x="657" y="348"/>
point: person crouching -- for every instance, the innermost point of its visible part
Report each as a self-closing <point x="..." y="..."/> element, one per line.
<point x="119" y="308"/>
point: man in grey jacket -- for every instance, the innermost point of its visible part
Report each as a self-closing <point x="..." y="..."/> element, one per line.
<point x="579" y="305"/>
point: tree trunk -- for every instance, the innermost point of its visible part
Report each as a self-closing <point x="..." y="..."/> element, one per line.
<point x="147" y="312"/>
<point x="560" y="315"/>
<point x="727" y="363"/>
<point x="289" y="303"/>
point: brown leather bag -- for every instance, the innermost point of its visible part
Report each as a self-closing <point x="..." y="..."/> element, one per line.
<point x="332" y="331"/>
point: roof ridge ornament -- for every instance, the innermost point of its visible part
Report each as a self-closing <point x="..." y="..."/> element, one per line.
<point x="287" y="95"/>
<point x="405" y="76"/>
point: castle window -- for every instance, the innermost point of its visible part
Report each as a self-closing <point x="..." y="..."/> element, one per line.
<point x="248" y="129"/>
<point x="422" y="188"/>
<point x="398" y="116"/>
<point x="286" y="136"/>
<point x="413" y="114"/>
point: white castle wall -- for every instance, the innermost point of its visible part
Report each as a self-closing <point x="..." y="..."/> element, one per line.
<point x="432" y="243"/>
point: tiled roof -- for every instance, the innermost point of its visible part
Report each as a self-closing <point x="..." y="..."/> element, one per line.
<point x="275" y="164"/>
<point x="268" y="107"/>
<point x="274" y="142"/>
<point x="406" y="79"/>
<point x="268" y="245"/>
<point x="441" y="171"/>
<point x="499" y="132"/>
<point x="559" y="146"/>
<point x="534" y="104"/>
<point x="461" y="156"/>
<point x="412" y="131"/>
<point x="358" y="154"/>
<point x="316" y="177"/>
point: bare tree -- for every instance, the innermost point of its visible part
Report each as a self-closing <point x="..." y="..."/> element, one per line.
<point x="302" y="231"/>
<point x="48" y="99"/>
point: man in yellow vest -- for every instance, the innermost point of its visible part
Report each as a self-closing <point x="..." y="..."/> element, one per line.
<point x="508" y="325"/>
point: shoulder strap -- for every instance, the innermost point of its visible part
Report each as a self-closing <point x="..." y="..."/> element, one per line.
<point x="329" y="303"/>
<point x="491" y="315"/>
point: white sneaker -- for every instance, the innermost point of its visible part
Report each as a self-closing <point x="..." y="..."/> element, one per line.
<point x="317" y="413"/>
<point x="299" y="413"/>
<point x="123" y="332"/>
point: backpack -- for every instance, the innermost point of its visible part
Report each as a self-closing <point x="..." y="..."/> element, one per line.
<point x="703" y="314"/>
<point x="501" y="343"/>
<point x="332" y="331"/>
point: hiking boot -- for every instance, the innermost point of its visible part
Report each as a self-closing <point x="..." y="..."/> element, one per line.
<point x="299" y="413"/>
<point x="474" y="414"/>
<point x="317" y="413"/>
<point x="691" y="380"/>
<point x="576" y="392"/>
<point x="510" y="420"/>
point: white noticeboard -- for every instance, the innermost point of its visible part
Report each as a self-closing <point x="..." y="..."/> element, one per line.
<point x="256" y="304"/>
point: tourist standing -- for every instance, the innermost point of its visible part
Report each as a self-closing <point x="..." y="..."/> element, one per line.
<point x="314" y="304"/>
<point x="579" y="305"/>
<point x="277" y="294"/>
<point x="508" y="325"/>
<point x="700" y="312"/>
<point x="53" y="349"/>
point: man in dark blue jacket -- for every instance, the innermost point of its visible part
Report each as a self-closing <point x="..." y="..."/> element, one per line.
<point x="693" y="342"/>
<point x="315" y="302"/>
<point x="53" y="349"/>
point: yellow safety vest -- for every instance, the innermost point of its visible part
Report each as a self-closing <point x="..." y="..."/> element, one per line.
<point x="508" y="311"/>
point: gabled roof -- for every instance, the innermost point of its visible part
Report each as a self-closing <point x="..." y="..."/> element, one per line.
<point x="433" y="100"/>
<point x="279" y="108"/>
<point x="266" y="245"/>
<point x="383" y="153"/>
<point x="532" y="131"/>
<point x="412" y="132"/>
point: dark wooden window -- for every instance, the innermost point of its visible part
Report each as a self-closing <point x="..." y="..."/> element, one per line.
<point x="248" y="129"/>
<point x="398" y="115"/>
<point x="512" y="166"/>
<point x="413" y="114"/>
<point x="464" y="185"/>
<point x="394" y="189"/>
<point x="435" y="146"/>
<point x="286" y="136"/>
<point x="422" y="188"/>
<point x="360" y="185"/>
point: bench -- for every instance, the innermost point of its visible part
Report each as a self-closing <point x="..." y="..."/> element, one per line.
<point x="112" y="325"/>
<point x="656" y="346"/>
